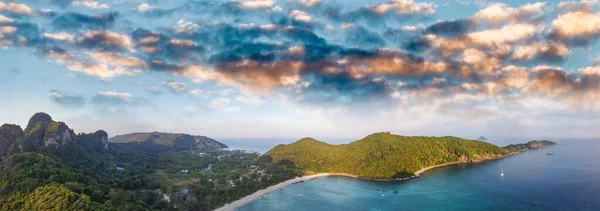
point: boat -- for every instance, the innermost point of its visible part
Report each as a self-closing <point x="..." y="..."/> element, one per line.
<point x="299" y="195"/>
<point x="550" y="153"/>
<point x="534" y="203"/>
<point x="382" y="195"/>
<point x="502" y="172"/>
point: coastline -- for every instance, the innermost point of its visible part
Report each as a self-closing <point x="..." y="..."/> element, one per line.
<point x="247" y="199"/>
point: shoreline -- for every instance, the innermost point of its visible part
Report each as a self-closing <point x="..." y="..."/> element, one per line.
<point x="249" y="198"/>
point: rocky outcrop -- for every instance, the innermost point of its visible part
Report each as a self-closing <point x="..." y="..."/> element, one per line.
<point x="11" y="140"/>
<point x="58" y="133"/>
<point x="42" y="131"/>
<point x="100" y="140"/>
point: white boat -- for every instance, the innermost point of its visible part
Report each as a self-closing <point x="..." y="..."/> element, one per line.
<point x="501" y="172"/>
<point x="299" y="195"/>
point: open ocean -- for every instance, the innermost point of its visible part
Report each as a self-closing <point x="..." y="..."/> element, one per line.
<point x="567" y="180"/>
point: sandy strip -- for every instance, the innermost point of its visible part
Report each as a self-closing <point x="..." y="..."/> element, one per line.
<point x="241" y="202"/>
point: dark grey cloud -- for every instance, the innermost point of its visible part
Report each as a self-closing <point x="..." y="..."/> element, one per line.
<point x="82" y="21"/>
<point x="67" y="100"/>
<point x="360" y="36"/>
<point x="343" y="89"/>
<point x="451" y="27"/>
<point x="105" y="40"/>
<point x="26" y="34"/>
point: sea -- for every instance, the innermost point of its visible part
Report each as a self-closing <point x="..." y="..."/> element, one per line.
<point x="533" y="180"/>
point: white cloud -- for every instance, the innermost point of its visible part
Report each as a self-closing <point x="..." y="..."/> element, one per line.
<point x="116" y="60"/>
<point x="17" y="9"/>
<point x="300" y="15"/>
<point x="403" y="7"/>
<point x="91" y="4"/>
<point x="190" y="109"/>
<point x="143" y="7"/>
<point x="310" y="3"/>
<point x="219" y="103"/>
<point x="4" y="19"/>
<point x="574" y="25"/>
<point x="121" y="96"/>
<point x="256" y="4"/>
<point x="251" y="100"/>
<point x="175" y="86"/>
<point x="500" y="13"/>
<point x="184" y="26"/>
<point x="62" y="36"/>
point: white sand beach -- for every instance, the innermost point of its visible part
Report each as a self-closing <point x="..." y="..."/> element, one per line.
<point x="257" y="194"/>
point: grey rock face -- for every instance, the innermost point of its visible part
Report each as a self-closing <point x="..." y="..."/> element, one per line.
<point x="100" y="139"/>
<point x="11" y="140"/>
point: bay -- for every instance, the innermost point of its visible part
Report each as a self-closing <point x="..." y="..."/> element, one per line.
<point x="567" y="180"/>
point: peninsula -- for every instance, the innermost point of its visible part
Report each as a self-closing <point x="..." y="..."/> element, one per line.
<point x="385" y="156"/>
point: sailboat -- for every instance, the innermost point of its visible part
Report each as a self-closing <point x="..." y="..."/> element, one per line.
<point x="502" y="172"/>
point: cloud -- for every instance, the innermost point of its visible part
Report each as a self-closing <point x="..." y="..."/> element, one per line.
<point x="547" y="52"/>
<point x="584" y="5"/>
<point x="450" y="28"/>
<point x="117" y="60"/>
<point x="67" y="100"/>
<point x="360" y="36"/>
<point x="502" y="13"/>
<point x="143" y="8"/>
<point x="258" y="76"/>
<point x="251" y="100"/>
<point x="403" y="7"/>
<point x="105" y="40"/>
<point x="190" y="109"/>
<point x="255" y="4"/>
<point x="4" y="19"/>
<point x="91" y="4"/>
<point x="81" y="21"/>
<point x="61" y="36"/>
<point x="112" y="98"/>
<point x="77" y="64"/>
<point x="310" y="3"/>
<point x="222" y="104"/>
<point x="175" y="86"/>
<point x="16" y="9"/>
<point x="300" y="15"/>
<point x="576" y="28"/>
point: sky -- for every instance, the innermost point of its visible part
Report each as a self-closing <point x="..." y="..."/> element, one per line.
<point x="305" y="68"/>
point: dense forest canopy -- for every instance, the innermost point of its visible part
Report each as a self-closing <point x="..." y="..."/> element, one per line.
<point x="49" y="167"/>
<point x="386" y="156"/>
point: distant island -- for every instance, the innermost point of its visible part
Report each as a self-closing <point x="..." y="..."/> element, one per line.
<point x="176" y="140"/>
<point x="387" y="156"/>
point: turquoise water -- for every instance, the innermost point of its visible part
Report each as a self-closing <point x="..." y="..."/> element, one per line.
<point x="567" y="180"/>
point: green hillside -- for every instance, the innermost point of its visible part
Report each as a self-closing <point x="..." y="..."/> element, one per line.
<point x="178" y="141"/>
<point x="384" y="155"/>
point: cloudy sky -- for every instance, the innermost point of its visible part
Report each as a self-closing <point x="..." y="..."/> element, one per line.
<point x="296" y="68"/>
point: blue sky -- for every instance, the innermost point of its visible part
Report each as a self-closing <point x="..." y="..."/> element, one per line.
<point x="296" y="68"/>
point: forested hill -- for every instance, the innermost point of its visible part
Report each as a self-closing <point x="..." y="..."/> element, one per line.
<point x="47" y="166"/>
<point x="387" y="156"/>
<point x="176" y="140"/>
